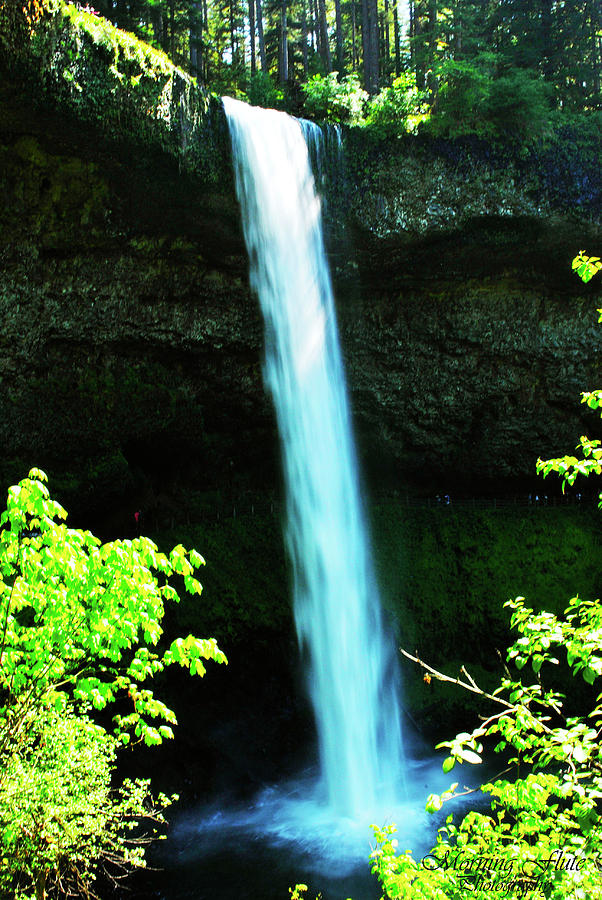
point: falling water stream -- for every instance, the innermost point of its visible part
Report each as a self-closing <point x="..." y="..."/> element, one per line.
<point x="321" y="820"/>
<point x="337" y="612"/>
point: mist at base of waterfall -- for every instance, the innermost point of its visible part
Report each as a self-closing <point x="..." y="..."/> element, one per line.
<point x="287" y="834"/>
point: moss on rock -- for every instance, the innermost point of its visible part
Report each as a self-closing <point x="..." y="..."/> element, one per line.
<point x="83" y="65"/>
<point x="446" y="573"/>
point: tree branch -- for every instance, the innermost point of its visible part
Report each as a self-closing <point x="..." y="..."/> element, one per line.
<point x="470" y="685"/>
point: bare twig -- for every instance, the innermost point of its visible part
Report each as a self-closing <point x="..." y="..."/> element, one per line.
<point x="468" y="686"/>
<point x="469" y="677"/>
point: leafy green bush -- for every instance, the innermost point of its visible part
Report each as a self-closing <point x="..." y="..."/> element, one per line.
<point x="485" y="97"/>
<point x="461" y="99"/>
<point x="518" y="105"/>
<point x="59" y="817"/>
<point x="339" y="101"/>
<point x="80" y="622"/>
<point x="570" y="467"/>
<point x="586" y="267"/>
<point x="260" y="90"/>
<point x="543" y="832"/>
<point x="397" y="109"/>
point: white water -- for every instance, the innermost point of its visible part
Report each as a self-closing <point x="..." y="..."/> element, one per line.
<point x="350" y="661"/>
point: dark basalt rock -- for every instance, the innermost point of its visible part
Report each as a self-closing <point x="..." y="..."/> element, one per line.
<point x="131" y="346"/>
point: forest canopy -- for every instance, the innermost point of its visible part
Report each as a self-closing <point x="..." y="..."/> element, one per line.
<point x="453" y="58"/>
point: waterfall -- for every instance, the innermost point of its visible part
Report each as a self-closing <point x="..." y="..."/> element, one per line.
<point x="350" y="660"/>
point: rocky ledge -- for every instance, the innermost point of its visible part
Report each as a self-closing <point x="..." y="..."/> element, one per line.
<point x="131" y="345"/>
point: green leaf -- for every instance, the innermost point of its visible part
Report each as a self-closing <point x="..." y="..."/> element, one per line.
<point x="151" y="736"/>
<point x="469" y="756"/>
<point x="448" y="764"/>
<point x="589" y="675"/>
<point x="196" y="559"/>
<point x="579" y="753"/>
<point x="433" y="803"/>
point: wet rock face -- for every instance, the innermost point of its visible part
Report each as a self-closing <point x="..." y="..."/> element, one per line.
<point x="131" y="346"/>
<point x="128" y="334"/>
<point x="467" y="351"/>
<point x="475" y="384"/>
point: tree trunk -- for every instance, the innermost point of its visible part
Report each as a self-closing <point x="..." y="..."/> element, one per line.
<point x="432" y="47"/>
<point x="387" y="41"/>
<point x="304" y="40"/>
<point x="339" y="27"/>
<point x="326" y="57"/>
<point x="381" y="44"/>
<point x="397" y="40"/>
<point x="417" y="44"/>
<point x="317" y="29"/>
<point x="40" y="886"/>
<point x="252" y="36"/>
<point x="370" y="44"/>
<point x="196" y="37"/>
<point x="157" y="22"/>
<point x="204" y="62"/>
<point x="283" y="44"/>
<point x="546" y="38"/>
<point x="260" y="37"/>
<point x="455" y="37"/>
<point x="354" y="59"/>
<point x="596" y="54"/>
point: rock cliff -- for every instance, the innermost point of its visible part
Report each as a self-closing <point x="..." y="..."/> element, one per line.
<point x="131" y="345"/>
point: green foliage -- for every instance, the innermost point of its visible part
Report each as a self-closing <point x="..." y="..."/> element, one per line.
<point x="446" y="46"/>
<point x="543" y="829"/>
<point x="569" y="467"/>
<point x="59" y="816"/>
<point x="19" y="19"/>
<point x="485" y="97"/>
<point x="586" y="266"/>
<point x="340" y="101"/>
<point x="590" y="463"/>
<point x="110" y="77"/>
<point x="243" y="601"/>
<point x="299" y="892"/>
<point x="100" y="64"/>
<point x="76" y="30"/>
<point x="83" y="615"/>
<point x="260" y="90"/>
<point x="518" y="105"/>
<point x="397" y="109"/>
<point x="80" y="625"/>
<point x="446" y="572"/>
<point x="461" y="102"/>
